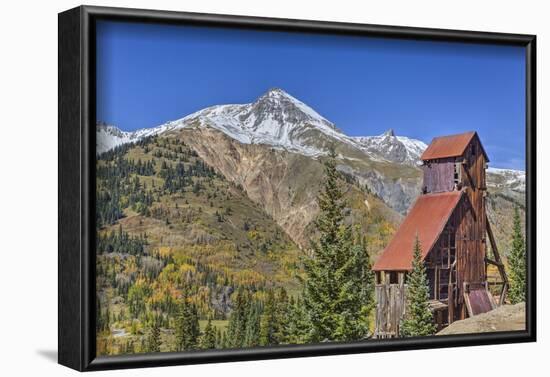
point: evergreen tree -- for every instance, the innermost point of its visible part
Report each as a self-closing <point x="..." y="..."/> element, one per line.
<point x="187" y="326"/>
<point x="219" y="338"/>
<point x="153" y="338"/>
<point x="298" y="324"/>
<point x="180" y="327"/>
<point x="365" y="276"/>
<point x="193" y="326"/>
<point x="103" y="317"/>
<point x="223" y="342"/>
<point x="517" y="262"/>
<point x="208" y="339"/>
<point x="252" y="334"/>
<point x="236" y="330"/>
<point x="281" y="316"/>
<point x="106" y="323"/>
<point x="268" y="324"/>
<point x="333" y="295"/>
<point x="419" y="318"/>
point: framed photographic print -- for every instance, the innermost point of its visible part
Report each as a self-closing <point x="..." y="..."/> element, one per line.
<point x="239" y="188"/>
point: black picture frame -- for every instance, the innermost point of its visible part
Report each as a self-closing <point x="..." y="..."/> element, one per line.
<point x="76" y="187"/>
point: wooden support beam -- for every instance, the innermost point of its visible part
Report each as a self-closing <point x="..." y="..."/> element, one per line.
<point x="493" y="243"/>
<point x="452" y="300"/>
<point x="491" y="298"/>
<point x="497" y="262"/>
<point x="469" y="176"/>
<point x="493" y="262"/>
<point x="467" y="300"/>
<point x="451" y="304"/>
<point x="401" y="278"/>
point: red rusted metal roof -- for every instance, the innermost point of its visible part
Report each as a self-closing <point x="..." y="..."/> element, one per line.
<point x="449" y="146"/>
<point x="427" y="218"/>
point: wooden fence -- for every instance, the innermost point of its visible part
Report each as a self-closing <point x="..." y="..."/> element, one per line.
<point x="390" y="309"/>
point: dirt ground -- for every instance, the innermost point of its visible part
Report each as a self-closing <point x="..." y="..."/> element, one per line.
<point x="504" y="318"/>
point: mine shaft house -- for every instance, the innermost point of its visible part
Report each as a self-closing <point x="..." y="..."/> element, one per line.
<point x="450" y="221"/>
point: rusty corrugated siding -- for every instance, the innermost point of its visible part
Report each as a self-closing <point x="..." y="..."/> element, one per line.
<point x="448" y="146"/>
<point x="427" y="218"/>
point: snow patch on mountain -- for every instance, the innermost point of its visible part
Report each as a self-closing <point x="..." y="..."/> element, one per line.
<point x="393" y="148"/>
<point x="509" y="178"/>
<point x="109" y="137"/>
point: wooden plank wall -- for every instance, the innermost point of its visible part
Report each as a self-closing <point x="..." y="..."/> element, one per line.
<point x="470" y="250"/>
<point x="474" y="179"/>
<point x="390" y="309"/>
<point x="439" y="176"/>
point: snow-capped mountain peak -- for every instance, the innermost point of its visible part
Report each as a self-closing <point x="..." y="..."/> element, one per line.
<point x="276" y="93"/>
<point x="277" y="101"/>
<point x="280" y="120"/>
<point x="276" y="118"/>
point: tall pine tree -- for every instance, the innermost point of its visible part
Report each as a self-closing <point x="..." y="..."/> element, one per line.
<point x="360" y="293"/>
<point x="208" y="339"/>
<point x="268" y="324"/>
<point x="298" y="324"/>
<point x="365" y="275"/>
<point x="517" y="262"/>
<point x="333" y="295"/>
<point x="153" y="338"/>
<point x="419" y="318"/>
<point x="219" y="339"/>
<point x="236" y="330"/>
<point x="281" y="315"/>
<point x="252" y="332"/>
<point x="187" y="326"/>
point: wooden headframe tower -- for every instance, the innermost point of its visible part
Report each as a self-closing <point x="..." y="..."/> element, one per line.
<point x="450" y="221"/>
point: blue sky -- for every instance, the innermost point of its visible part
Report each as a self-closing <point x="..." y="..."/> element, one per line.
<point x="148" y="74"/>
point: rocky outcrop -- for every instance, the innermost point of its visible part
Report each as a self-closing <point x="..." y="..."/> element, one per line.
<point x="503" y="318"/>
<point x="284" y="184"/>
<point x="396" y="192"/>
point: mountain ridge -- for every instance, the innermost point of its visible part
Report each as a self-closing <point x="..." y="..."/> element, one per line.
<point x="265" y="121"/>
<point x="276" y="118"/>
<point x="386" y="164"/>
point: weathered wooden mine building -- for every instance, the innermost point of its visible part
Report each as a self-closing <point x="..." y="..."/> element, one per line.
<point x="450" y="221"/>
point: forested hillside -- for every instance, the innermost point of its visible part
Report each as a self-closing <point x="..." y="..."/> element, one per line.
<point x="173" y="236"/>
<point x="187" y="260"/>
